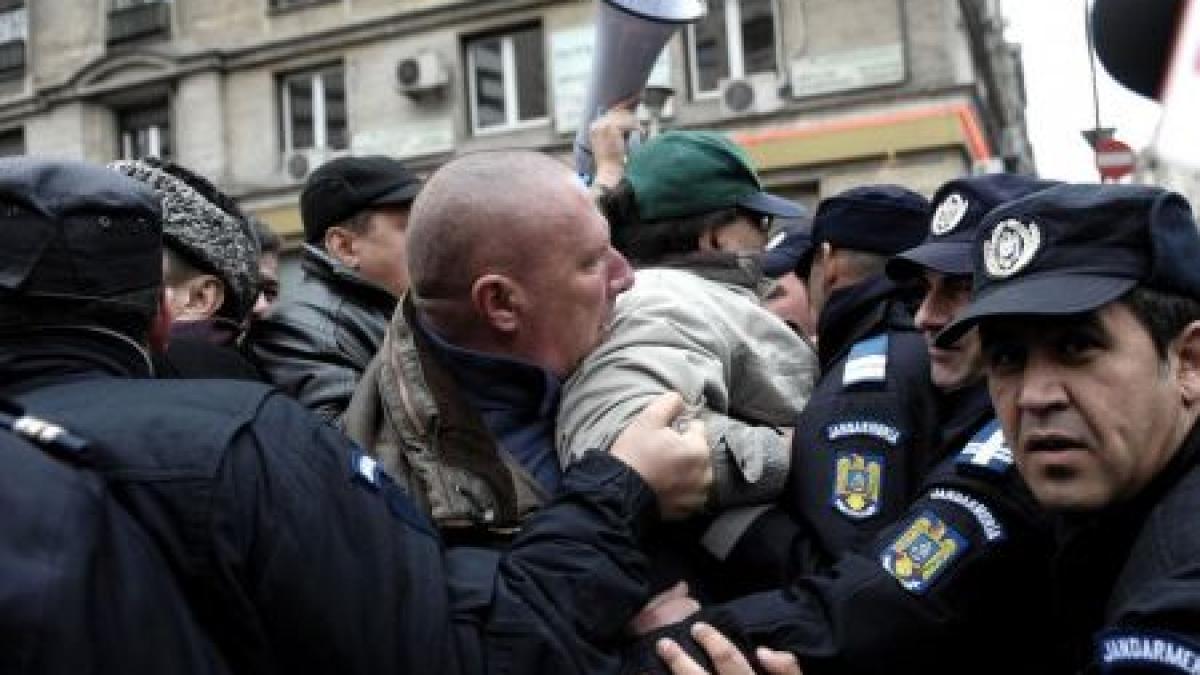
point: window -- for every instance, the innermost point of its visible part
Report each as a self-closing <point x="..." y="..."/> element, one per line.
<point x="507" y="80"/>
<point x="12" y="142"/>
<point x="13" y="31"/>
<point x="313" y="104"/>
<point x="144" y="131"/>
<point x="133" y="19"/>
<point x="735" y="39"/>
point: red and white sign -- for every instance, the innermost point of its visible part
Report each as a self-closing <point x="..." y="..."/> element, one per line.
<point x="1114" y="159"/>
<point x="1178" y="134"/>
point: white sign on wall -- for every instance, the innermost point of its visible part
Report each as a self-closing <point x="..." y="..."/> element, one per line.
<point x="571" y="73"/>
<point x="847" y="70"/>
<point x="12" y="25"/>
<point x="412" y="138"/>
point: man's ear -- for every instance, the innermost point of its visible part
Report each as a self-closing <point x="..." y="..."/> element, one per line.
<point x="341" y="243"/>
<point x="1186" y="348"/>
<point x="497" y="298"/>
<point x="203" y="296"/>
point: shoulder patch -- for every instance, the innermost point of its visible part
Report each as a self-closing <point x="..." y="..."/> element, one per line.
<point x="45" y="434"/>
<point x="988" y="522"/>
<point x="867" y="362"/>
<point x="857" y="483"/>
<point x="986" y="453"/>
<point x="925" y="549"/>
<point x="1128" y="650"/>
<point x="846" y="428"/>
<point x="364" y="469"/>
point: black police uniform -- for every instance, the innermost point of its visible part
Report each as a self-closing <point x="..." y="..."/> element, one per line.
<point x="83" y="589"/>
<point x="1126" y="580"/>
<point x="293" y="551"/>
<point x="869" y="433"/>
<point x="297" y="555"/>
<point x="960" y="583"/>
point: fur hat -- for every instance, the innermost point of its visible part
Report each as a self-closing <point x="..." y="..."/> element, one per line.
<point x="203" y="234"/>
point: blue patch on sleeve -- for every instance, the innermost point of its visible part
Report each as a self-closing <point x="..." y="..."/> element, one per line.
<point x="1126" y="650"/>
<point x="867" y="362"/>
<point x="987" y="453"/>
<point x="923" y="551"/>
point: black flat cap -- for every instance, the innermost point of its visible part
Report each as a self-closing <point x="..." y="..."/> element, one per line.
<point x="340" y="188"/>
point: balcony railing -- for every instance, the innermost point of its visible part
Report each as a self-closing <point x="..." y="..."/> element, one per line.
<point x="12" y="59"/>
<point x="130" y="23"/>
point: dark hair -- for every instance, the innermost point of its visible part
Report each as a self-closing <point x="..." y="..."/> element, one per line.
<point x="1163" y="313"/>
<point x="647" y="243"/>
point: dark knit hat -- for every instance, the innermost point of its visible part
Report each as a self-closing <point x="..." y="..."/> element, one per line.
<point x="204" y="235"/>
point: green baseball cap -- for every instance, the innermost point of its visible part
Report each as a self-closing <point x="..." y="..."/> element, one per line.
<point x="684" y="173"/>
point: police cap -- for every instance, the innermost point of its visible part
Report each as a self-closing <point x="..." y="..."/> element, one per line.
<point x="883" y="219"/>
<point x="1072" y="249"/>
<point x="79" y="232"/>
<point x="958" y="210"/>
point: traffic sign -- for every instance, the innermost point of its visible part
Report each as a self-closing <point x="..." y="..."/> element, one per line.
<point x="1114" y="159"/>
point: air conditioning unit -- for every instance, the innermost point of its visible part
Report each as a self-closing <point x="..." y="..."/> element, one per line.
<point x="753" y="94"/>
<point x="422" y="74"/>
<point x="297" y="164"/>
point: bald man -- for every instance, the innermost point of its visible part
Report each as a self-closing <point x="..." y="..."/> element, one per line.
<point x="513" y="281"/>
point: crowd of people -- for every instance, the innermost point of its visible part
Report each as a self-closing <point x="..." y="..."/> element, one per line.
<point x="509" y="422"/>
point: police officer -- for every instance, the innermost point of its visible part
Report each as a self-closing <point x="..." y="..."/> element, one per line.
<point x="867" y="434"/>
<point x="1087" y="299"/>
<point x="968" y="560"/>
<point x="294" y="552"/>
<point x="82" y="588"/>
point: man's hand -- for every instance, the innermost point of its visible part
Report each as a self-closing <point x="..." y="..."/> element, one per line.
<point x="677" y="465"/>
<point x="725" y="656"/>
<point x="671" y="606"/>
<point x="607" y="137"/>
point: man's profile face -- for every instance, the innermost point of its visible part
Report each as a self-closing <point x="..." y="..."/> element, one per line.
<point x="960" y="364"/>
<point x="382" y="248"/>
<point x="789" y="301"/>
<point x="1089" y="409"/>
<point x="268" y="284"/>
<point x="573" y="281"/>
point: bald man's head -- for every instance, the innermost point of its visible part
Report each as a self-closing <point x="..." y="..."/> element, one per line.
<point x="508" y="254"/>
<point x="481" y="213"/>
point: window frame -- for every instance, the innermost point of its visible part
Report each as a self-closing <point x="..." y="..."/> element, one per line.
<point x="512" y="102"/>
<point x="735" y="49"/>
<point x="320" y="122"/>
<point x="155" y="132"/>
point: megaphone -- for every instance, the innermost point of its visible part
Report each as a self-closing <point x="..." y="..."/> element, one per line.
<point x="630" y="34"/>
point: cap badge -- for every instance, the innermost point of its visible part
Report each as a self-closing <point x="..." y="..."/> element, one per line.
<point x="1010" y="248"/>
<point x="949" y="214"/>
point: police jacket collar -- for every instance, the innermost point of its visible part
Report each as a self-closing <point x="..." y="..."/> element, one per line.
<point x="960" y="414"/>
<point x="43" y="356"/>
<point x="318" y="263"/>
<point x="855" y="312"/>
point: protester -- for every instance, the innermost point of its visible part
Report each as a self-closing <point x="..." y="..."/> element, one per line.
<point x="692" y="215"/>
<point x="317" y="344"/>
<point x="210" y="261"/>
<point x="293" y="551"/>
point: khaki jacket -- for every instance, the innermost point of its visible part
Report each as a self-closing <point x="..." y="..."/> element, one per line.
<point x="716" y="344"/>
<point x="407" y="412"/>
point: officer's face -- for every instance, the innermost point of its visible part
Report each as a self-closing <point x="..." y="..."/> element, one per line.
<point x="1090" y="410"/>
<point x="960" y="364"/>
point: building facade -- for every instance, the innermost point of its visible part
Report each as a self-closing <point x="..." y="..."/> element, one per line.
<point x="824" y="94"/>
